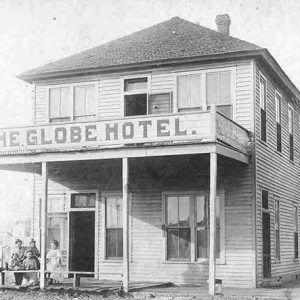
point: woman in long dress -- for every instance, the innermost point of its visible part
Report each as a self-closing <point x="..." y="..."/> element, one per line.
<point x="54" y="258"/>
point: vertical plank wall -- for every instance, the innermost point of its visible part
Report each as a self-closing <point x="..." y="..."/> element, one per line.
<point x="280" y="177"/>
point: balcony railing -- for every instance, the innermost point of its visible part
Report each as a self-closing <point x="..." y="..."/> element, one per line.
<point x="189" y="127"/>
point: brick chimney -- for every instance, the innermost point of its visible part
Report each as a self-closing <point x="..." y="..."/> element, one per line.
<point x="223" y="23"/>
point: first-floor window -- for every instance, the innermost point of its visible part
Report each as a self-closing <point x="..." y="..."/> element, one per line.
<point x="188" y="226"/>
<point x="202" y="224"/>
<point x="296" y="251"/>
<point x="114" y="227"/>
<point x="178" y="228"/>
<point x="57" y="229"/>
<point x="277" y="230"/>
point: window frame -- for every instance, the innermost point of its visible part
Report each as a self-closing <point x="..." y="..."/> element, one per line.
<point x="193" y="195"/>
<point x="137" y="92"/>
<point x="278" y="120"/>
<point x="72" y="86"/>
<point x="203" y="73"/>
<point x="263" y="106"/>
<point x="291" y="133"/>
<point x="102" y="223"/>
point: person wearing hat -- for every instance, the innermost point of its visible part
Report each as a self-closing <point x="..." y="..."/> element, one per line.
<point x="35" y="251"/>
<point x="19" y="252"/>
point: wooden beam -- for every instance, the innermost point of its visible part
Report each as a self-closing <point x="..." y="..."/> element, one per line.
<point x="125" y="225"/>
<point x="212" y="220"/>
<point x="44" y="223"/>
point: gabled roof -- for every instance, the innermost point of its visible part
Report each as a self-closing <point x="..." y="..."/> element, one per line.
<point x="173" y="39"/>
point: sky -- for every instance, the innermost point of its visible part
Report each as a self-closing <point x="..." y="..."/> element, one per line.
<point x="35" y="32"/>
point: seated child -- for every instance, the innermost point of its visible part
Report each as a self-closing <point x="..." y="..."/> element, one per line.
<point x="15" y="265"/>
<point x="29" y="279"/>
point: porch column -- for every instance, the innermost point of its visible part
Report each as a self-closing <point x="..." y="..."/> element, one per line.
<point x="125" y="225"/>
<point x="212" y="220"/>
<point x="44" y="223"/>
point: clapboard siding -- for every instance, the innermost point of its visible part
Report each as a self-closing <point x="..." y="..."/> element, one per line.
<point x="41" y="106"/>
<point x="147" y="256"/>
<point x="109" y="90"/>
<point x="277" y="174"/>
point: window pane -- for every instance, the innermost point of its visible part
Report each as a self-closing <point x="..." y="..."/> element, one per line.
<point x="202" y="211"/>
<point x="225" y="87"/>
<point x="114" y="212"/>
<point x="278" y="108"/>
<point x="90" y="100"/>
<point x="172" y="243"/>
<point x="291" y="119"/>
<point x="265" y="200"/>
<point x="79" y="101"/>
<point x="184" y="211"/>
<point x="135" y="84"/>
<point x="54" y="103"/>
<point x="172" y="211"/>
<point x="262" y="93"/>
<point x="65" y="102"/>
<point x="111" y="242"/>
<point x="56" y="203"/>
<point x="83" y="200"/>
<point x="195" y="90"/>
<point x="57" y="230"/>
<point x="212" y="84"/>
<point x="184" y="92"/>
<point x="119" y="242"/>
<point x="184" y="243"/>
<point x="136" y="105"/>
<point x="202" y="242"/>
<point x="159" y="104"/>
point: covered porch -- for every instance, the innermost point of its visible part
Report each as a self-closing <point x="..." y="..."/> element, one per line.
<point x="159" y="183"/>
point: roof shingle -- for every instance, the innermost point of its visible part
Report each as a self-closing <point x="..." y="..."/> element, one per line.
<point x="173" y="39"/>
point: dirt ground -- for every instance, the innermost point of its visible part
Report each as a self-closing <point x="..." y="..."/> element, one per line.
<point x="28" y="295"/>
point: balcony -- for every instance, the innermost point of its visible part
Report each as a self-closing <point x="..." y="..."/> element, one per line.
<point x="167" y="130"/>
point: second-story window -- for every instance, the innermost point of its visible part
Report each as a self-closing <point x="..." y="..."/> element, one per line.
<point x="136" y="96"/>
<point x="218" y="91"/>
<point x="291" y="130"/>
<point x="189" y="92"/>
<point x="278" y="100"/>
<point x="63" y="108"/>
<point x="59" y="104"/>
<point x="263" y="106"/>
<point x="84" y="102"/>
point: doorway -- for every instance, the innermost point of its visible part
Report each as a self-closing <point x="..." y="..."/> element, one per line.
<point x="82" y="241"/>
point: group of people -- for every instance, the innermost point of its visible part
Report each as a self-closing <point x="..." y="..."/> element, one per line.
<point x="27" y="258"/>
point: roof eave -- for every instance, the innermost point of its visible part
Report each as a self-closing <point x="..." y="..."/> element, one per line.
<point x="263" y="54"/>
<point x="147" y="64"/>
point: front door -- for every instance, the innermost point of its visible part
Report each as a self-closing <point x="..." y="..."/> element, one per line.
<point x="82" y="241"/>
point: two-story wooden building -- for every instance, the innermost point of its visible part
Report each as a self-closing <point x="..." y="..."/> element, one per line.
<point x="150" y="148"/>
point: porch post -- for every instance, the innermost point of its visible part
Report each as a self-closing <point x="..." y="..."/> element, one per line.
<point x="125" y="225"/>
<point x="212" y="220"/>
<point x="43" y="223"/>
